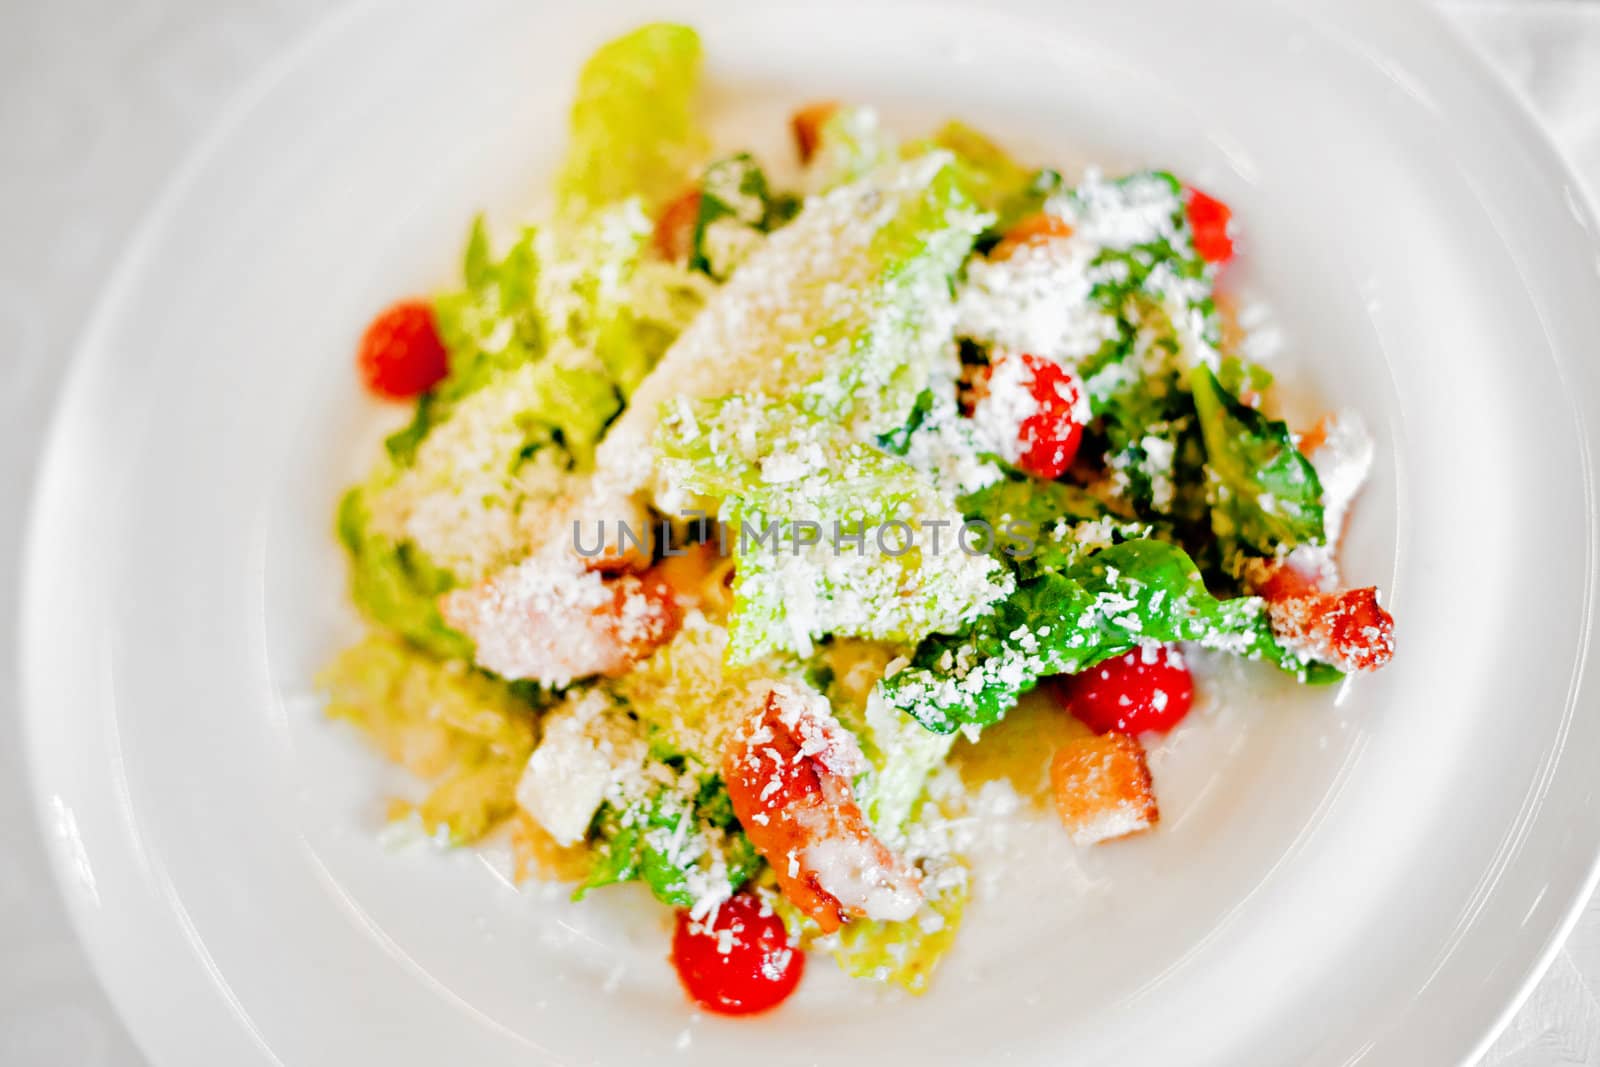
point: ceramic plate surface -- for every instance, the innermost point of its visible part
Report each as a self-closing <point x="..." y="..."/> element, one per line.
<point x="1373" y="878"/>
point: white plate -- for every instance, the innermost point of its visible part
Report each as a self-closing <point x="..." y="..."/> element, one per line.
<point x="1373" y="882"/>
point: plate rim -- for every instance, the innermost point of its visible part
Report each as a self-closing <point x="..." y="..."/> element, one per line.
<point x="1538" y="137"/>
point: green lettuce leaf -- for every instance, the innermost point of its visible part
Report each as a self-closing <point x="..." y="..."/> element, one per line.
<point x="396" y="585"/>
<point x="1117" y="599"/>
<point x="779" y="327"/>
<point x="573" y="407"/>
<point x="850" y="145"/>
<point x="1164" y="267"/>
<point x="737" y="207"/>
<point x="902" y="756"/>
<point x="1159" y="292"/>
<point x="806" y="504"/>
<point x="1044" y="526"/>
<point x="544" y="345"/>
<point x="875" y="350"/>
<point x="1265" y="496"/>
<point x="493" y="323"/>
<point x="1021" y="202"/>
<point x="580" y="295"/>
<point x="610" y="305"/>
<point x="996" y="182"/>
<point x="683" y="843"/>
<point x="634" y="130"/>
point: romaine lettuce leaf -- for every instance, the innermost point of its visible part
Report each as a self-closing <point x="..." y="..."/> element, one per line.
<point x="782" y="327"/>
<point x="1138" y="260"/>
<point x="832" y="536"/>
<point x="544" y="344"/>
<point x="682" y="841"/>
<point x="634" y="131"/>
<point x="493" y="323"/>
<point x="1265" y="496"/>
<point x="1021" y="202"/>
<point x="900" y="754"/>
<point x="485" y="478"/>
<point x="1130" y="594"/>
<point x="583" y="296"/>
<point x="996" y="182"/>
<point x="851" y="144"/>
<point x="879" y="347"/>
<point x="737" y="208"/>
<point x="1159" y="292"/>
<point x="1047" y="526"/>
<point x="395" y="584"/>
<point x="1033" y="500"/>
<point x="610" y="306"/>
<point x="506" y="317"/>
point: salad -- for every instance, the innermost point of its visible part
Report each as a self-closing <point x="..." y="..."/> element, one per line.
<point x="741" y="498"/>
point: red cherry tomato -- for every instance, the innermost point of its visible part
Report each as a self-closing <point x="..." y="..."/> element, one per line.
<point x="401" y="355"/>
<point x="1211" y="220"/>
<point x="738" y="961"/>
<point x="1050" y="436"/>
<point x="1146" y="689"/>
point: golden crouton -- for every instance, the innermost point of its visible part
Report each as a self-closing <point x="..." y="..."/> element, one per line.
<point x="1102" y="787"/>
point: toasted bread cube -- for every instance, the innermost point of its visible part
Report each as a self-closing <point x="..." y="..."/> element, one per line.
<point x="807" y="126"/>
<point x="1102" y="787"/>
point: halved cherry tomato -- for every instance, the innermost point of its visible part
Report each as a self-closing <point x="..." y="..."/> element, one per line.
<point x="1051" y="435"/>
<point x="1048" y="436"/>
<point x="739" y="960"/>
<point x="1211" y="220"/>
<point x="1147" y="689"/>
<point x="1049" y="431"/>
<point x="401" y="355"/>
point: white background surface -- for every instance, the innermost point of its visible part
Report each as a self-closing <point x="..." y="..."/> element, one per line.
<point x="98" y="103"/>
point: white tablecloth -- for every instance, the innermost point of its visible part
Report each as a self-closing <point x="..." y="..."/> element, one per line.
<point x="100" y="99"/>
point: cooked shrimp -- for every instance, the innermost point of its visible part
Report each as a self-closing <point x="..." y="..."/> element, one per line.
<point x="788" y="767"/>
<point x="552" y="621"/>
